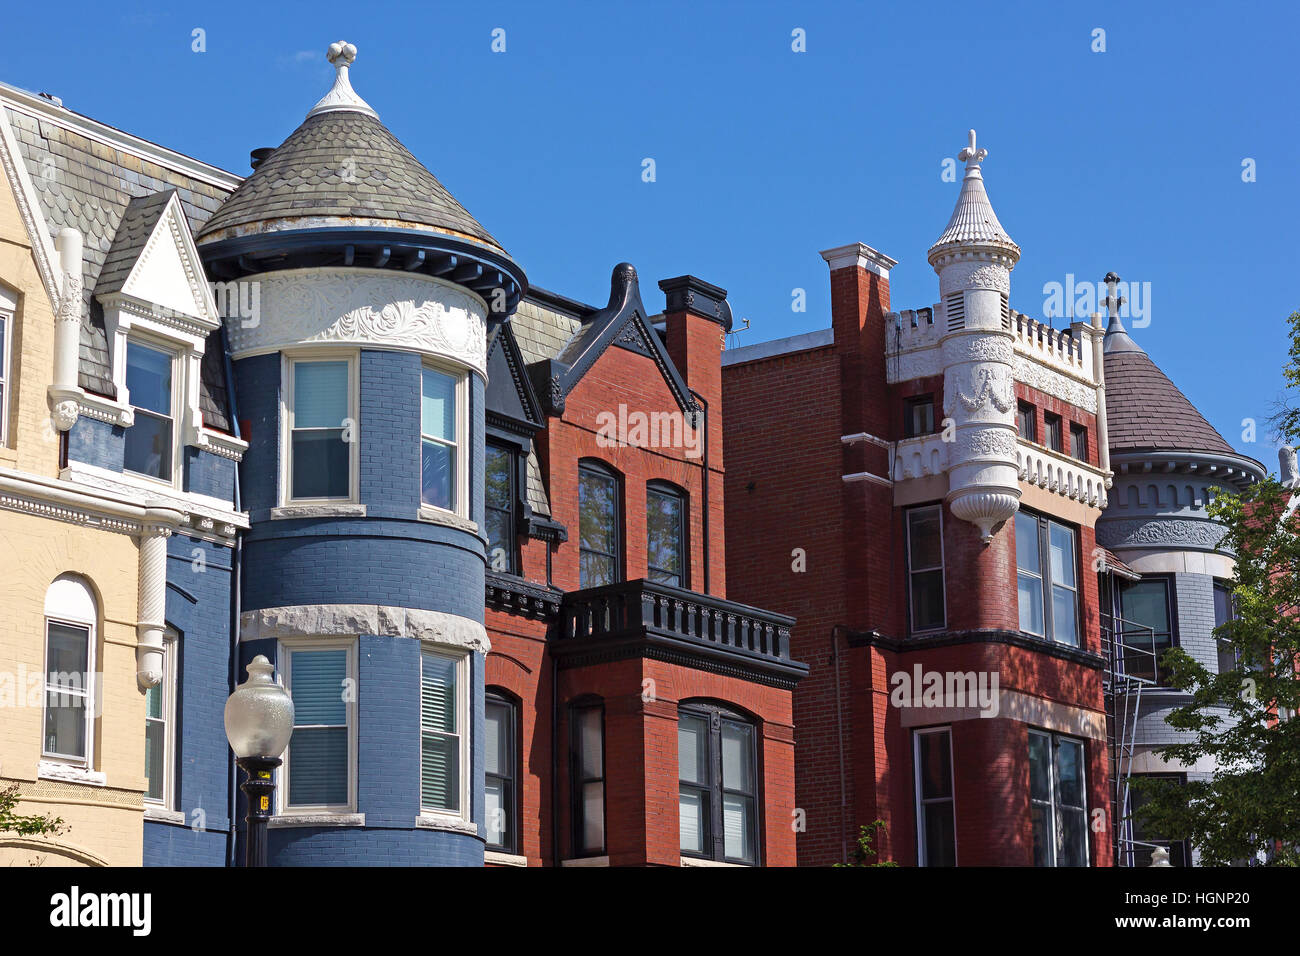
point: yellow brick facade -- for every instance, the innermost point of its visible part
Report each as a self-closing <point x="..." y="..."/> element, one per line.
<point x="105" y="823"/>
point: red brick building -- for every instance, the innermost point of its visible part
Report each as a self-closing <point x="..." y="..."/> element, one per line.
<point x="920" y="490"/>
<point x="635" y="716"/>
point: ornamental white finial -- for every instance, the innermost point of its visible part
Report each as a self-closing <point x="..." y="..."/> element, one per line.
<point x="971" y="155"/>
<point x="342" y="97"/>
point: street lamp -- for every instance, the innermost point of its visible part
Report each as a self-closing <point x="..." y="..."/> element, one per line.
<point x="259" y="722"/>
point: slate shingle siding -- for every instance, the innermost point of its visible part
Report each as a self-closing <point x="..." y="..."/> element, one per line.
<point x="88" y="185"/>
<point x="1145" y="410"/>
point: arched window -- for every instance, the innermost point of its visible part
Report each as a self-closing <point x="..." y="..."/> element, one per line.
<point x="665" y="522"/>
<point x="70" y="621"/>
<point x="501" y="761"/>
<point x="717" y="758"/>
<point x="600" y="518"/>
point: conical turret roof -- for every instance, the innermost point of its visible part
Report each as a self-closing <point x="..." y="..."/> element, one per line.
<point x="973" y="221"/>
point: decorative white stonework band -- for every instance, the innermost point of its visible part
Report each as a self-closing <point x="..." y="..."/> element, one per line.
<point x="324" y="620"/>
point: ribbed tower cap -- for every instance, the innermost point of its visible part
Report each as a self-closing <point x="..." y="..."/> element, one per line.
<point x="973" y="223"/>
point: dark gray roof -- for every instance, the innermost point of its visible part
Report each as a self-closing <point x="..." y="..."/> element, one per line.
<point x="138" y="220"/>
<point x="88" y="185"/>
<point x="1145" y="411"/>
<point x="343" y="164"/>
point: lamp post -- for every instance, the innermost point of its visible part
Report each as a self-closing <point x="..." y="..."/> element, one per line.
<point x="259" y="722"/>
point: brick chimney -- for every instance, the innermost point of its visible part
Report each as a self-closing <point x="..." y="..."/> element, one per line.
<point x="859" y="302"/>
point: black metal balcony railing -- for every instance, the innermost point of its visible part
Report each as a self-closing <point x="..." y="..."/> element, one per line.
<point x="682" y="623"/>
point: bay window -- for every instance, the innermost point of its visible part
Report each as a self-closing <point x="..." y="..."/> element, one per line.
<point x="1047" y="580"/>
<point x="717" y="785"/>
<point x="599" y="524"/>
<point x="665" y="534"/>
<point x="1058" y="800"/>
<point x="151" y="390"/>
<point x="936" y="823"/>
<point x="925" y="567"/>
<point x="322" y="422"/>
<point x="444" y="740"/>
<point x="321" y="758"/>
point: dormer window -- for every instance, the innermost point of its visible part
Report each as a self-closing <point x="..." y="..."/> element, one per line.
<point x="151" y="390"/>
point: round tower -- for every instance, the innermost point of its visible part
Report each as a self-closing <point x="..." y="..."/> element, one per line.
<point x="974" y="258"/>
<point x="357" y="294"/>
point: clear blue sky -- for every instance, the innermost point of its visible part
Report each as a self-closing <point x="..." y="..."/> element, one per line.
<point x="1127" y="160"/>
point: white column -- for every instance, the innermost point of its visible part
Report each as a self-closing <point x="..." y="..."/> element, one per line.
<point x="152" y="611"/>
<point x="67" y="330"/>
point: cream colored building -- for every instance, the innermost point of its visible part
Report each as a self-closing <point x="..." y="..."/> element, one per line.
<point x="83" y="559"/>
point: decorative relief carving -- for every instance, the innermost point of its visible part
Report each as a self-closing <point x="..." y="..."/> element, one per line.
<point x="70" y="304"/>
<point x="995" y="387"/>
<point x="994" y="348"/>
<point x="1159" y="532"/>
<point x="974" y="275"/>
<point x="1044" y="379"/>
<point x="989" y="443"/>
<point x="308" y="307"/>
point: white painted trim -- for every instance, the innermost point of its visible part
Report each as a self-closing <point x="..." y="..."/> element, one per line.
<point x="207" y="517"/>
<point x="504" y="859"/>
<point x="586" y="861"/>
<point x="460" y="377"/>
<point x="29" y="206"/>
<point x="72" y="605"/>
<point x="287" y="362"/>
<point x="40" y="108"/>
<point x="6" y="378"/>
<point x="862" y="256"/>
<point x="285" y="821"/>
<point x="324" y="620"/>
<point x="867" y="476"/>
<point x="287" y="647"/>
<point x="120" y="341"/>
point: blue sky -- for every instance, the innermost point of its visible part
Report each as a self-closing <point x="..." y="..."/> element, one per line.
<point x="1128" y="160"/>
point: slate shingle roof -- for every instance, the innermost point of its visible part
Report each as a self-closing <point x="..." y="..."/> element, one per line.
<point x="343" y="164"/>
<point x="1145" y="410"/>
<point x="138" y="220"/>
<point x="89" y="185"/>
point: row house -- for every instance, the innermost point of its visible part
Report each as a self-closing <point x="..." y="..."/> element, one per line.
<point x="477" y="527"/>
<point x="921" y="490"/>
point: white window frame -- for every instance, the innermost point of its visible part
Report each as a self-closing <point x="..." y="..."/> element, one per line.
<point x="942" y="568"/>
<point x="177" y="417"/>
<point x="8" y="308"/>
<point x="168" y="685"/>
<point x="90" y="691"/>
<point x="285" y="649"/>
<point x="1051" y="794"/>
<point x="462" y="435"/>
<point x="288" y="361"/>
<point x="921" y="803"/>
<point x="463" y="676"/>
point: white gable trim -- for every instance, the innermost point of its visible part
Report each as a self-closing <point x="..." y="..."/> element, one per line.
<point x="29" y="208"/>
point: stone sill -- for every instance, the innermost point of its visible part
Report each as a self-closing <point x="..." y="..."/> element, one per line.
<point x="342" y="509"/>
<point x="586" y="861"/>
<point x="153" y="814"/>
<point x="504" y="859"/>
<point x="446" y="519"/>
<point x="288" y="820"/>
<point x="433" y="821"/>
<point x="53" y="770"/>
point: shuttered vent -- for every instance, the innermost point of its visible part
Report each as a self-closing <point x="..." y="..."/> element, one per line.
<point x="955" y="307"/>
<point x="1006" y="314"/>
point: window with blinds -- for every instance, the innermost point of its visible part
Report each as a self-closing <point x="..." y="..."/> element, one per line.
<point x="319" y="758"/>
<point x="587" y="759"/>
<point x="441" y="733"/>
<point x="717" y="785"/>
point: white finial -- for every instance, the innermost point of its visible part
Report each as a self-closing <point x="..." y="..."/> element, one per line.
<point x="342" y="97"/>
<point x="972" y="156"/>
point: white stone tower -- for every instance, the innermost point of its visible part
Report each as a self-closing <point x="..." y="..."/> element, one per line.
<point x="974" y="258"/>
